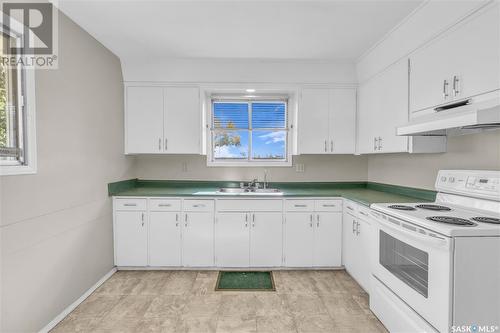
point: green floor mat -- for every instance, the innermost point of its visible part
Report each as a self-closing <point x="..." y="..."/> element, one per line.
<point x="245" y="281"/>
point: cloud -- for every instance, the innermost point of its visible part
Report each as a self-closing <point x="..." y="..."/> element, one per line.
<point x="273" y="137"/>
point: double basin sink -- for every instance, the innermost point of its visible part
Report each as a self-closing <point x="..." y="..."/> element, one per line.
<point x="249" y="191"/>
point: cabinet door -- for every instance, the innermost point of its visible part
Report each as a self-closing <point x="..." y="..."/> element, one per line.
<point x="182" y="129"/>
<point x="232" y="236"/>
<point x="299" y="239"/>
<point x="266" y="249"/>
<point x="164" y="239"/>
<point x="348" y="242"/>
<point x="198" y="239"/>
<point x="367" y="119"/>
<point x="475" y="53"/>
<point x="313" y="130"/>
<point x="327" y="250"/>
<point x="342" y="121"/>
<point x="366" y="249"/>
<point x="144" y="120"/>
<point x="131" y="239"/>
<point x="392" y="110"/>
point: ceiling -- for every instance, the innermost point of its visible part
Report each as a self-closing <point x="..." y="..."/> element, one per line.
<point x="258" y="29"/>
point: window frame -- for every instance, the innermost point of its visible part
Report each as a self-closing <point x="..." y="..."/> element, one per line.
<point x="26" y="106"/>
<point x="249" y="161"/>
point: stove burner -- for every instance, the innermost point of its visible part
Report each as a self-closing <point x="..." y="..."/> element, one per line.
<point x="401" y="207"/>
<point x="452" y="220"/>
<point x="433" y="207"/>
<point x="485" y="219"/>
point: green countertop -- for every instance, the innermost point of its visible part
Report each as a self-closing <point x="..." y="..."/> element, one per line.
<point x="365" y="193"/>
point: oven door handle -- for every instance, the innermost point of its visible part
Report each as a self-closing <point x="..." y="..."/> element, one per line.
<point x="427" y="239"/>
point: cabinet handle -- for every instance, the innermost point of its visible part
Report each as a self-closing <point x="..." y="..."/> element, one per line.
<point x="456" y="91"/>
<point x="311" y="217"/>
<point x="353" y="228"/>
<point x="186" y="220"/>
<point x="348" y="207"/>
<point x="130" y="205"/>
<point x="164" y="205"/>
<point x="363" y="213"/>
<point x="357" y="228"/>
<point x="325" y="146"/>
<point x="317" y="220"/>
<point x="311" y="221"/>
<point x="177" y="217"/>
<point x="374" y="143"/>
<point x="253" y="220"/>
<point x="159" y="144"/>
<point x="331" y="146"/>
<point x="379" y="143"/>
<point x="445" y="89"/>
<point x="199" y="205"/>
<point x="330" y="205"/>
<point x="166" y="144"/>
<point x="246" y="220"/>
<point x="142" y="217"/>
<point x="299" y="205"/>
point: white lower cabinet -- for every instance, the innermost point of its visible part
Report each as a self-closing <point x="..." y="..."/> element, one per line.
<point x="299" y="239"/>
<point x="327" y="247"/>
<point x="232" y="239"/>
<point x="198" y="239"/>
<point x="173" y="232"/>
<point x="266" y="235"/>
<point x="357" y="243"/>
<point x="164" y="239"/>
<point x="249" y="239"/>
<point x="313" y="238"/>
<point x="131" y="238"/>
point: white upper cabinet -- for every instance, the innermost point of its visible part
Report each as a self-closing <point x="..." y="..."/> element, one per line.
<point x="327" y="121"/>
<point x="462" y="63"/>
<point x="162" y="120"/>
<point x="144" y="120"/>
<point x="182" y="129"/>
<point x="383" y="106"/>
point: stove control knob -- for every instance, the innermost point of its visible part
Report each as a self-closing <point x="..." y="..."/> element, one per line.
<point x="443" y="179"/>
<point x="451" y="179"/>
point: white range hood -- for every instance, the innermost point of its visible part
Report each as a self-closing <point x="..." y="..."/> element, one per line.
<point x="463" y="117"/>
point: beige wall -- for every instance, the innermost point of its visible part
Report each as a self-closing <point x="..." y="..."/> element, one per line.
<point x="317" y="168"/>
<point x="473" y="151"/>
<point x="56" y="225"/>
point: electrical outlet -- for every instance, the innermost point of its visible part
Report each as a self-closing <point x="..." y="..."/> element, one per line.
<point x="184" y="166"/>
<point x="299" y="167"/>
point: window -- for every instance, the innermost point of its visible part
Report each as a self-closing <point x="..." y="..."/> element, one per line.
<point x="249" y="132"/>
<point x="16" y="129"/>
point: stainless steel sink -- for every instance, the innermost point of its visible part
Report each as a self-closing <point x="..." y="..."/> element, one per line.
<point x="234" y="190"/>
<point x="250" y="191"/>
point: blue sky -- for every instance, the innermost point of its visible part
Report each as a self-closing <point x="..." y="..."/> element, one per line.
<point x="264" y="115"/>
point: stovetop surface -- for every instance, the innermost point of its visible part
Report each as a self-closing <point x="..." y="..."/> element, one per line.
<point x="419" y="216"/>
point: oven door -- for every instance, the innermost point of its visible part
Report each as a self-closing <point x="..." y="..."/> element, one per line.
<point x="416" y="265"/>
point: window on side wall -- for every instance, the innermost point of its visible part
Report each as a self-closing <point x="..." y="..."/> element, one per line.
<point x="17" y="155"/>
<point x="249" y="132"/>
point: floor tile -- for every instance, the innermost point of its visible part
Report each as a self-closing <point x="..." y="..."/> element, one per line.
<point x="165" y="306"/>
<point x="239" y="324"/>
<point x="315" y="323"/>
<point x="305" y="305"/>
<point x="243" y="305"/>
<point x="197" y="324"/>
<point x="276" y="324"/>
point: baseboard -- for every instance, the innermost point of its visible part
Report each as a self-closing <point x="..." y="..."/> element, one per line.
<point x="217" y="268"/>
<point x="73" y="305"/>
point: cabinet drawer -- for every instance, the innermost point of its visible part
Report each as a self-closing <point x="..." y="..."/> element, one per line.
<point x="164" y="204"/>
<point x="299" y="205"/>
<point x="350" y="207"/>
<point x="364" y="213"/>
<point x="328" y="205"/>
<point x="198" y="205"/>
<point x="130" y="204"/>
<point x="236" y="205"/>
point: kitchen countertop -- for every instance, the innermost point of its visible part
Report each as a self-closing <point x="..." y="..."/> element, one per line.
<point x="365" y="193"/>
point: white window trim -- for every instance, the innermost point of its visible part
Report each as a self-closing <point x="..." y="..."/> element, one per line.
<point x="9" y="168"/>
<point x="247" y="163"/>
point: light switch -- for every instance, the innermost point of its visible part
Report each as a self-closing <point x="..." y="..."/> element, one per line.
<point x="299" y="167"/>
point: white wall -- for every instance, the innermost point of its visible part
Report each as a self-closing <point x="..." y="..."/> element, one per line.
<point x="237" y="71"/>
<point x="56" y="225"/>
<point x="317" y="168"/>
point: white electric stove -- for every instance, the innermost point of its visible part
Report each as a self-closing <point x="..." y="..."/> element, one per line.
<point x="437" y="264"/>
